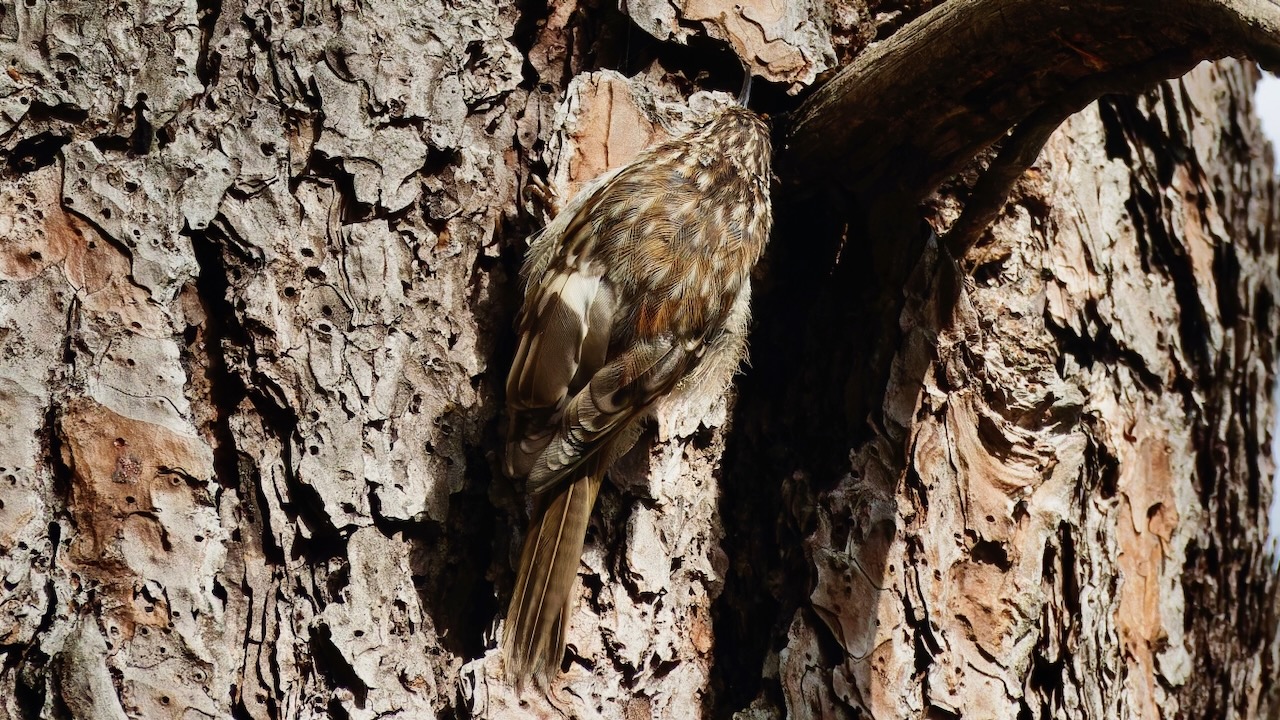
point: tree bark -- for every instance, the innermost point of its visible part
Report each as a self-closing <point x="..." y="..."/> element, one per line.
<point x="257" y="278"/>
<point x="1058" y="511"/>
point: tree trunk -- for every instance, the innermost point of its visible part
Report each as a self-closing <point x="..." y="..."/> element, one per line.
<point x="258" y="267"/>
<point x="1059" y="506"/>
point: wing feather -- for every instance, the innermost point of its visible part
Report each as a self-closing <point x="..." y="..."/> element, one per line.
<point x="563" y="341"/>
<point x="616" y="395"/>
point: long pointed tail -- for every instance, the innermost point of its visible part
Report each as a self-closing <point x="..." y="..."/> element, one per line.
<point x="533" y="641"/>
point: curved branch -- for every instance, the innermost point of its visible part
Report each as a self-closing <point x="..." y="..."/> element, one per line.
<point x="912" y="110"/>
<point x="1020" y="149"/>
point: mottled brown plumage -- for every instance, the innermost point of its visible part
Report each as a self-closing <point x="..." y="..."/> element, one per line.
<point x="637" y="290"/>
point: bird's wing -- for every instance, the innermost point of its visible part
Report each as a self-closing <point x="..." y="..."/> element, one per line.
<point x="564" y="337"/>
<point x="567" y="395"/>
<point x="616" y="395"/>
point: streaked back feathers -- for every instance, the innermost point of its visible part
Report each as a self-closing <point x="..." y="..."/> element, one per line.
<point x="642" y="276"/>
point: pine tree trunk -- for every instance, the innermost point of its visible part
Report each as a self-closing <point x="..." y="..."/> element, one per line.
<point x="258" y="267"/>
<point x="1059" y="505"/>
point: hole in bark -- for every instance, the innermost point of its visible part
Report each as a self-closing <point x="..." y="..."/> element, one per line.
<point x="1047" y="677"/>
<point x="1226" y="271"/>
<point x="988" y="273"/>
<point x="336" y="711"/>
<point x="35" y="152"/>
<point x="475" y="53"/>
<point x="662" y="668"/>
<point x="991" y="553"/>
<point x="330" y="663"/>
<point x="1070" y="586"/>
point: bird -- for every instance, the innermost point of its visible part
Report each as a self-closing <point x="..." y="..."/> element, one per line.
<point x="637" y="291"/>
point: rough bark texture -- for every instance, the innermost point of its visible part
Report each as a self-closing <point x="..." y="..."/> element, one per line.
<point x="1061" y="513"/>
<point x="257" y="273"/>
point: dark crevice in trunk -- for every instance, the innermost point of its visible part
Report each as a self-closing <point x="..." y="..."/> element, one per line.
<point x="227" y="389"/>
<point x="207" y="63"/>
<point x="329" y="662"/>
<point x="32" y="153"/>
<point x="827" y="310"/>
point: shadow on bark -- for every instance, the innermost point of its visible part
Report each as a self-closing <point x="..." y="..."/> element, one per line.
<point x="827" y="312"/>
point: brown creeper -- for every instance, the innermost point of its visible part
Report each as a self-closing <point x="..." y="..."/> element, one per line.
<point x="637" y="290"/>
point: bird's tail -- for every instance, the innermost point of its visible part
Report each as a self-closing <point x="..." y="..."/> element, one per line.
<point x="533" y="640"/>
